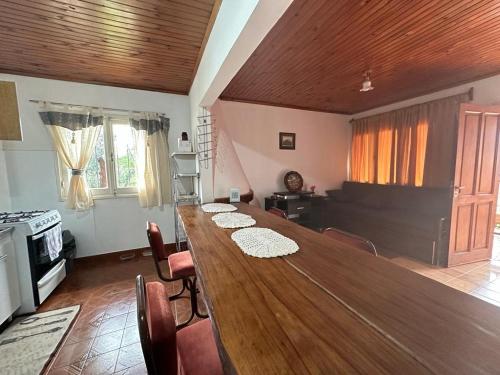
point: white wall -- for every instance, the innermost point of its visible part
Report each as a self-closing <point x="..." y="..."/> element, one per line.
<point x="486" y="92"/>
<point x="252" y="132"/>
<point x="4" y="184"/>
<point x="239" y="28"/>
<point x="112" y="224"/>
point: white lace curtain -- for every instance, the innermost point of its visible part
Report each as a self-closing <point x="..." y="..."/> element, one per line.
<point x="74" y="134"/>
<point x="152" y="159"/>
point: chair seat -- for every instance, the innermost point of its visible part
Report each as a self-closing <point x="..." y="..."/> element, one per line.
<point x="197" y="350"/>
<point x="181" y="265"/>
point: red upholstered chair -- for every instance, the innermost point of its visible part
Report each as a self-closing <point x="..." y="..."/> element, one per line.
<point x="191" y="350"/>
<point x="181" y="268"/>
<point x="352" y="239"/>
<point x="276" y="211"/>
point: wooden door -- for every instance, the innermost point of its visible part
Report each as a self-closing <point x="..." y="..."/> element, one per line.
<point x="477" y="175"/>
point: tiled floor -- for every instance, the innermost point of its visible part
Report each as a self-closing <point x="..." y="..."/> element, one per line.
<point x="481" y="279"/>
<point x="104" y="338"/>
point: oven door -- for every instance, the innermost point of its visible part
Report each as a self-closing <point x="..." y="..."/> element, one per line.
<point x="39" y="256"/>
<point x="51" y="280"/>
<point x="46" y="274"/>
<point x="40" y="253"/>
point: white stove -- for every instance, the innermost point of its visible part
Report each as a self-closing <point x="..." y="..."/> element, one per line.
<point x="38" y="274"/>
<point x="31" y="222"/>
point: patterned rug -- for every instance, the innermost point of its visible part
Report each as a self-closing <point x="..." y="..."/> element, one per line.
<point x="28" y="344"/>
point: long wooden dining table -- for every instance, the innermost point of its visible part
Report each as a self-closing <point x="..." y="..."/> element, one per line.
<point x="330" y="308"/>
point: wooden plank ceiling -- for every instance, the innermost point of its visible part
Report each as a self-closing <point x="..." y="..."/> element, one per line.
<point x="143" y="44"/>
<point x="315" y="56"/>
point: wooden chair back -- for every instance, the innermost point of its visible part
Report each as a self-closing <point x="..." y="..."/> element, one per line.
<point x="157" y="247"/>
<point x="352" y="239"/>
<point x="278" y="212"/>
<point x="157" y="330"/>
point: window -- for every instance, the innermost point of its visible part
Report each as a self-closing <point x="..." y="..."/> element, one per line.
<point x="388" y="149"/>
<point x="111" y="170"/>
<point x="124" y="154"/>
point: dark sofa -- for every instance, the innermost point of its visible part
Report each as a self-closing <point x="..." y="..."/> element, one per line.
<point x="401" y="219"/>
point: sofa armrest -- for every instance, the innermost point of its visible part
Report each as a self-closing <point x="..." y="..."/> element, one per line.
<point x="442" y="242"/>
<point x="333" y="194"/>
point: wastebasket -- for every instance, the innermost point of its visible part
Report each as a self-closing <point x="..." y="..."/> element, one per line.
<point x="69" y="250"/>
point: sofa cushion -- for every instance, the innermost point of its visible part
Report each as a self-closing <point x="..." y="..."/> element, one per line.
<point x="409" y="220"/>
<point x="338" y="195"/>
<point x="371" y="200"/>
<point x="355" y="217"/>
<point x="181" y="265"/>
<point x="427" y="201"/>
<point x="197" y="350"/>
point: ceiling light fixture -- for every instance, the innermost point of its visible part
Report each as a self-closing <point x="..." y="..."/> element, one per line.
<point x="367" y="83"/>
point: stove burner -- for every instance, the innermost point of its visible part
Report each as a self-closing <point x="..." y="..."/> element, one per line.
<point x="19" y="217"/>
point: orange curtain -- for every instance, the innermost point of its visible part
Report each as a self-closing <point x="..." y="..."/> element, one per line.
<point x="362" y="162"/>
<point x="410" y="146"/>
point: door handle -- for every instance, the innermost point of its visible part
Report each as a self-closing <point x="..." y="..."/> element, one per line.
<point x="457" y="189"/>
<point x="38" y="236"/>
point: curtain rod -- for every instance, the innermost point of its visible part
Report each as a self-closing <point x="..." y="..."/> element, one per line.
<point x="100" y="108"/>
<point x="470" y="92"/>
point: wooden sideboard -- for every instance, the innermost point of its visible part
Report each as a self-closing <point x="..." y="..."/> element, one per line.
<point x="308" y="211"/>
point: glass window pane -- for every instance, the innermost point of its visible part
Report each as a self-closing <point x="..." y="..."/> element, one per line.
<point x="124" y="145"/>
<point x="96" y="172"/>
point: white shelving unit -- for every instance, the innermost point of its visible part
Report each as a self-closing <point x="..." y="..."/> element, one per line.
<point x="185" y="187"/>
<point x="177" y="153"/>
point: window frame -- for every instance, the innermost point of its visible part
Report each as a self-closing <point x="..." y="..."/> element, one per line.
<point x="112" y="172"/>
<point x="112" y="191"/>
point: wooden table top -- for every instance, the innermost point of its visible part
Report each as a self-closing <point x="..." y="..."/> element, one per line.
<point x="330" y="308"/>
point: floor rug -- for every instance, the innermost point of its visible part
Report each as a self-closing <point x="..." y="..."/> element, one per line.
<point x="29" y="342"/>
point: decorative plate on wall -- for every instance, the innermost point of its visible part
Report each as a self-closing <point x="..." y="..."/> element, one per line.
<point x="293" y="181"/>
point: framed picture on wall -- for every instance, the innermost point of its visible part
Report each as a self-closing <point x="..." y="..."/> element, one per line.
<point x="287" y="141"/>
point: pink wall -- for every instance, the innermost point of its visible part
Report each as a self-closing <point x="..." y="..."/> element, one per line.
<point x="248" y="152"/>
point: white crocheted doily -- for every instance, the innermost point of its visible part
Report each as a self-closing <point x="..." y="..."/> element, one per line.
<point x="218" y="207"/>
<point x="264" y="242"/>
<point x="233" y="220"/>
